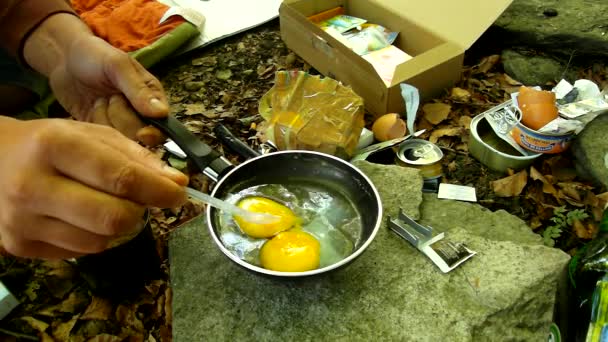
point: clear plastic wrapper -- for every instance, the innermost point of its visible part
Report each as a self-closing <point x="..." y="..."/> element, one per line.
<point x="342" y="23"/>
<point x="308" y="112"/>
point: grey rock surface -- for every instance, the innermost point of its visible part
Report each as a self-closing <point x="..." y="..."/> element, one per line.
<point x="561" y="26"/>
<point x="391" y="292"/>
<point x="590" y="150"/>
<point x="535" y="70"/>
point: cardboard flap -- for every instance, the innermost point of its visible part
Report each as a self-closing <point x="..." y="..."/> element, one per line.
<point x="461" y="22"/>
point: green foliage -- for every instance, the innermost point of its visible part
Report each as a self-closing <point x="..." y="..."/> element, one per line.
<point x="562" y="219"/>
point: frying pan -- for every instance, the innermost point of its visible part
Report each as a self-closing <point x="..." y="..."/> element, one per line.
<point x="283" y="167"/>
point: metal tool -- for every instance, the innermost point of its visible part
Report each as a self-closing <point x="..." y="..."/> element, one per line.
<point x="409" y="229"/>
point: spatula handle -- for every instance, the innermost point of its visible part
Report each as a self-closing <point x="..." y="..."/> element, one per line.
<point x="201" y="154"/>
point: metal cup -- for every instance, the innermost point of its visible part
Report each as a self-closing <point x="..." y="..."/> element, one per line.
<point x="121" y="271"/>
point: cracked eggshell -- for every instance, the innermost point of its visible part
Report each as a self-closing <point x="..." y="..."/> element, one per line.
<point x="389" y="126"/>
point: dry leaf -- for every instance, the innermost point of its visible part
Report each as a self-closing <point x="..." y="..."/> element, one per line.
<point x="70" y="305"/>
<point x="160" y="307"/>
<point x="488" y="63"/>
<point x="44" y="337"/>
<point x="194" y="108"/>
<point x="510" y="81"/>
<point x="584" y="231"/>
<point x="422" y="124"/>
<point x="459" y="94"/>
<point x="570" y="190"/>
<point x="452" y="166"/>
<point x="465" y="121"/>
<point x="165" y="333"/>
<point x="36" y="324"/>
<point x="127" y="315"/>
<point x="61" y="331"/>
<point x="462" y="147"/>
<point x="510" y="186"/>
<point x="535" y="223"/>
<point x="548" y="188"/>
<point x="99" y="309"/>
<point x="436" y="112"/>
<point x="603" y="199"/>
<point x="445" y="132"/>
<point x="210" y="114"/>
<point x="168" y="302"/>
<point x="105" y="338"/>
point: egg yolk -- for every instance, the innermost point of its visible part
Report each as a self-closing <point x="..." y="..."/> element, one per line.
<point x="287" y="218"/>
<point x="291" y="251"/>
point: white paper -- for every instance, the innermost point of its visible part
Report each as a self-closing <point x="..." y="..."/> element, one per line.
<point x="226" y="17"/>
<point x="457" y="192"/>
<point x="191" y="15"/>
<point x="562" y="89"/>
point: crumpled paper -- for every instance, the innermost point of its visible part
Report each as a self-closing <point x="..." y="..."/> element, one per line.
<point x="306" y="112"/>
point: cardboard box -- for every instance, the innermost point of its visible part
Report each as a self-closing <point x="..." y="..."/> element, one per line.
<point x="436" y="33"/>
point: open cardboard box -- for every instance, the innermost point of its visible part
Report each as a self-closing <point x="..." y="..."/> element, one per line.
<point x="436" y="33"/>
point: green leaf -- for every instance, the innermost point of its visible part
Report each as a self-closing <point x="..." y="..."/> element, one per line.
<point x="577" y="214"/>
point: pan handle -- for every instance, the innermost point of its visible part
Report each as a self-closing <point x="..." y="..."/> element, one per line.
<point x="210" y="162"/>
<point x="234" y="143"/>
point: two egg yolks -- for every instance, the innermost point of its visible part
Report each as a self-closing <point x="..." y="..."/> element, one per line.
<point x="286" y="251"/>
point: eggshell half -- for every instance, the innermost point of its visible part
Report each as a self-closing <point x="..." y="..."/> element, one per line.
<point x="389" y="126"/>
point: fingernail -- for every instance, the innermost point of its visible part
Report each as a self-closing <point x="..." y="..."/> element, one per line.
<point x="158" y="105"/>
<point x="100" y="102"/>
<point x="173" y="172"/>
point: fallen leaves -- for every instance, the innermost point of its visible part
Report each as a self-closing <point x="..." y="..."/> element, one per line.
<point x="548" y="188"/>
<point x="460" y="95"/>
<point x="445" y="132"/>
<point x="435" y="113"/>
<point x="510" y="186"/>
<point x="99" y="308"/>
<point x="194" y="108"/>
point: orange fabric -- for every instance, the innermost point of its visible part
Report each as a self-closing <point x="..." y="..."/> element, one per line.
<point x="126" y="24"/>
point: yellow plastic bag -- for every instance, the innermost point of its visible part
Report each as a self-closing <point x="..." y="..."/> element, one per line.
<point x="305" y="112"/>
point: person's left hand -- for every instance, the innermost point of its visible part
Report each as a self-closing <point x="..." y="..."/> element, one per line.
<point x="99" y="83"/>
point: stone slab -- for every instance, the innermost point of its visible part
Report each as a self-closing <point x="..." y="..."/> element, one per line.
<point x="559" y="26"/>
<point x="590" y="149"/>
<point x="391" y="292"/>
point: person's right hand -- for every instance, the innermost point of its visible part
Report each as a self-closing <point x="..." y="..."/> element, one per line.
<point x="68" y="188"/>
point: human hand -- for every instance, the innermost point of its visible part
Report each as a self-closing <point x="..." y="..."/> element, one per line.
<point x="102" y="84"/>
<point x="70" y="188"/>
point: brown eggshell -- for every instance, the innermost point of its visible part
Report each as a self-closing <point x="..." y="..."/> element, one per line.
<point x="537" y="107"/>
<point x="530" y="95"/>
<point x="389" y="126"/>
<point x="537" y="115"/>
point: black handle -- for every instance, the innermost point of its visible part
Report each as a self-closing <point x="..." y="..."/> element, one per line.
<point x="200" y="153"/>
<point x="234" y="143"/>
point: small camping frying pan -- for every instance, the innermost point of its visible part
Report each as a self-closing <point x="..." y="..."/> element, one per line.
<point x="278" y="168"/>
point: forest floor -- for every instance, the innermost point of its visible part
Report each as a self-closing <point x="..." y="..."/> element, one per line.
<point x="223" y="83"/>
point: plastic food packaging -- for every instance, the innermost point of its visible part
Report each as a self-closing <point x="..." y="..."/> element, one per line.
<point x="371" y="37"/>
<point x="588" y="270"/>
<point x="342" y="23"/>
<point x="306" y="112"/>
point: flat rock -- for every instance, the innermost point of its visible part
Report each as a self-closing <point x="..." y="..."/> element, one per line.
<point x="590" y="150"/>
<point x="535" y="70"/>
<point x="560" y="26"/>
<point x="391" y="292"/>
